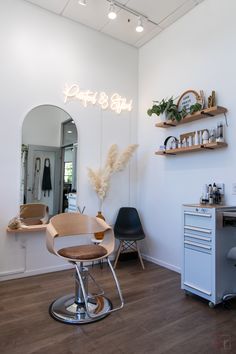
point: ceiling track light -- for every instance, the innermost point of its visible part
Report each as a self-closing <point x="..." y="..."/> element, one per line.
<point x="82" y="2"/>
<point x="112" y="11"/>
<point x="141" y="17"/>
<point x="139" y="27"/>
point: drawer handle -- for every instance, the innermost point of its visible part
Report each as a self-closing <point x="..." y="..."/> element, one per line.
<point x="199" y="289"/>
<point x="198" y="214"/>
<point x="198" y="237"/>
<point x="197" y="245"/>
<point x="199" y="229"/>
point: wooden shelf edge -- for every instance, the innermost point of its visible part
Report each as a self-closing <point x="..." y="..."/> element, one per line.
<point x="204" y="113"/>
<point x="209" y="146"/>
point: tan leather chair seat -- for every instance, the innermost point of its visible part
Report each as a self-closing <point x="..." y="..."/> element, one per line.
<point x="83" y="252"/>
<point x="31" y="221"/>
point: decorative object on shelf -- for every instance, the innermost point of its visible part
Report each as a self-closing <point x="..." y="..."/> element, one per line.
<point x="115" y="162"/>
<point x="190" y="140"/>
<point x="220" y="133"/>
<point x="171" y="142"/>
<point x="196" y="138"/>
<point x="185" y="149"/>
<point x="99" y="235"/>
<point x="212" y="141"/>
<point x="205" y="113"/>
<point x="212" y="136"/>
<point x="205" y="137"/>
<point x="167" y="110"/>
<point x="212" y="100"/>
<point x="195" y="108"/>
<point x="191" y="101"/>
<point x="14" y="223"/>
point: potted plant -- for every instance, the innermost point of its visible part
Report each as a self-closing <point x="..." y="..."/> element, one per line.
<point x="167" y="109"/>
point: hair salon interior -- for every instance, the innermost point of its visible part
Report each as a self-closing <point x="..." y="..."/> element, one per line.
<point x="122" y="109"/>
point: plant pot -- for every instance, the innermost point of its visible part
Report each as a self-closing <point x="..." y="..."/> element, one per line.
<point x="163" y="116"/>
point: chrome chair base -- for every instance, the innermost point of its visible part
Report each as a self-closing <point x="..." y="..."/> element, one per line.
<point x="66" y="310"/>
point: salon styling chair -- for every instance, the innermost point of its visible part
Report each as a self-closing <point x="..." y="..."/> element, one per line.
<point x="128" y="230"/>
<point x="82" y="307"/>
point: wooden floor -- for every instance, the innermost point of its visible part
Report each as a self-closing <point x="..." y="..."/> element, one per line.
<point x="157" y="318"/>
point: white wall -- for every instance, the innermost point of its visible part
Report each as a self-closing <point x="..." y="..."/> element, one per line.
<point x="40" y="52"/>
<point x="197" y="52"/>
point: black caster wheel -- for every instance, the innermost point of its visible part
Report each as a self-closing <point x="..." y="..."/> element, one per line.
<point x="187" y="293"/>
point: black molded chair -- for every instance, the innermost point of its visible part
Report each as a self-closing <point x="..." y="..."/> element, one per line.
<point x="128" y="230"/>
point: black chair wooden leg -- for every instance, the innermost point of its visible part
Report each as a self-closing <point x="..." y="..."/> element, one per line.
<point x="118" y="253"/>
<point x="139" y="254"/>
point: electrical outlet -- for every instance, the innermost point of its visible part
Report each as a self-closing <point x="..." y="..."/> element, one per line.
<point x="234" y="188"/>
<point x="221" y="187"/>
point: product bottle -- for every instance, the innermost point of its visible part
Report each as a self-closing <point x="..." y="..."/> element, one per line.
<point x="196" y="139"/>
<point x="205" y="137"/>
<point x="204" y="198"/>
<point x="99" y="235"/>
<point x="200" y="138"/>
<point x="210" y="194"/>
<point x="220" y="132"/>
<point x="215" y="194"/>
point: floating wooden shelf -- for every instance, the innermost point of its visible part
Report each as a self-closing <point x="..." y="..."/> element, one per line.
<point x="209" y="146"/>
<point x="205" y="113"/>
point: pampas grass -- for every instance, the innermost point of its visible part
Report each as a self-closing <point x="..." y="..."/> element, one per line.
<point x="112" y="157"/>
<point x="100" y="179"/>
<point x="124" y="158"/>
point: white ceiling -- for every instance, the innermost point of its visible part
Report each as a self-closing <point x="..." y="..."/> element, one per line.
<point x="162" y="12"/>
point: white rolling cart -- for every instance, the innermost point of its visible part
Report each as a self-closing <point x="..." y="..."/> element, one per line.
<point x="206" y="271"/>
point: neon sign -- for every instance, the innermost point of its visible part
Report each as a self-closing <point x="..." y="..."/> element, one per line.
<point x="115" y="102"/>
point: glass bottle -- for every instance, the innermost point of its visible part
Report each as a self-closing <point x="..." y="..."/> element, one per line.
<point x="99" y="235"/>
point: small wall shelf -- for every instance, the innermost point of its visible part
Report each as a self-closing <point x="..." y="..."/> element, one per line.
<point x="202" y="147"/>
<point x="208" y="112"/>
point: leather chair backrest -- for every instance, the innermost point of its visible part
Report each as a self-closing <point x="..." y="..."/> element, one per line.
<point x="69" y="224"/>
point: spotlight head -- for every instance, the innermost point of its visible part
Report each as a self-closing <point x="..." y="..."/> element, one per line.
<point x="112" y="12"/>
<point x="82" y="2"/>
<point x="139" y="27"/>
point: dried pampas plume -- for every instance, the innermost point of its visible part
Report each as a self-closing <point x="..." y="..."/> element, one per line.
<point x="112" y="156"/>
<point x="100" y="180"/>
<point x="123" y="159"/>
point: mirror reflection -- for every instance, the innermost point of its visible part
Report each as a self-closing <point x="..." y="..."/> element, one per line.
<point x="49" y="159"/>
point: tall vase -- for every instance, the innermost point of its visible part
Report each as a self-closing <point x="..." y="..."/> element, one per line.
<point x="99" y="235"/>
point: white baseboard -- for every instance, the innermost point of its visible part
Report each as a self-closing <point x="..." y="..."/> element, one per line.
<point x="162" y="263"/>
<point x="22" y="274"/>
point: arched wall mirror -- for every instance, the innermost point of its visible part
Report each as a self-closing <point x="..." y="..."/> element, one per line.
<point x="49" y="159"/>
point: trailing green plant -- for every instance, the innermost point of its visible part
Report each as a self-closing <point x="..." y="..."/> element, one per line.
<point x="168" y="106"/>
<point x="195" y="108"/>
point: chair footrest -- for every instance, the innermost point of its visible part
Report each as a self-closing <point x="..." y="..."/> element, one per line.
<point x="66" y="310"/>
